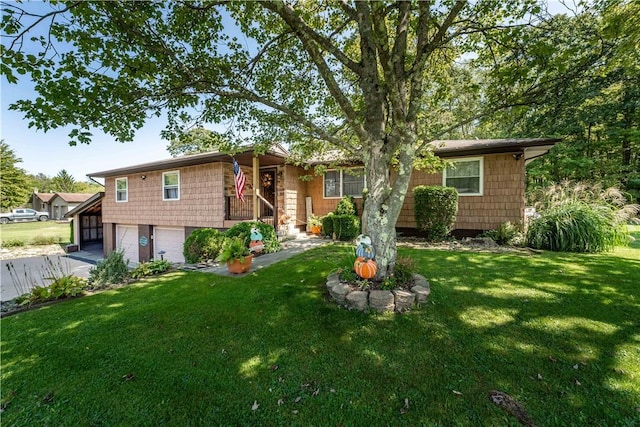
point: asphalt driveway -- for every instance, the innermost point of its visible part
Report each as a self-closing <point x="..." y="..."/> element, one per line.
<point x="30" y="272"/>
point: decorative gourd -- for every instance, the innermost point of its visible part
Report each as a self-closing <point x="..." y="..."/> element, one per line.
<point x="365" y="251"/>
<point x="365" y="268"/>
<point x="363" y="239"/>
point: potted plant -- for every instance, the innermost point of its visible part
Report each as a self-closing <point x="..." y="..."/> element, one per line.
<point x="315" y="224"/>
<point x="236" y="255"/>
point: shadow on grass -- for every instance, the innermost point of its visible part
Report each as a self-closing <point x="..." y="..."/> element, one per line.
<point x="558" y="332"/>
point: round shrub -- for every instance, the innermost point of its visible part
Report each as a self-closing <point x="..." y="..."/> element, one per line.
<point x="202" y="244"/>
<point x="327" y="224"/>
<point x="347" y="206"/>
<point x="269" y="237"/>
<point x="577" y="227"/>
<point x="435" y="210"/>
<point x="346" y="227"/>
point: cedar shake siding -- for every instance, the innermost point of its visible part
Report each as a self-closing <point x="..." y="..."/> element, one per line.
<point x="503" y="196"/>
<point x="201" y="203"/>
<point x="292" y="195"/>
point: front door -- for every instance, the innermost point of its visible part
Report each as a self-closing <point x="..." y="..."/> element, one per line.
<point x="269" y="191"/>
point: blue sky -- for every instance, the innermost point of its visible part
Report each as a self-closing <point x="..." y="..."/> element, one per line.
<point x="50" y="152"/>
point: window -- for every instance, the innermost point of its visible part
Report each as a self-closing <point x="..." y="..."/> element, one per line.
<point x="339" y="183"/>
<point x="122" y="189"/>
<point x="171" y="185"/>
<point x="465" y="175"/>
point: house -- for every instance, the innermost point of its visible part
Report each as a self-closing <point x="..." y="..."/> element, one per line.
<point x="61" y="203"/>
<point x="57" y="204"/>
<point x="40" y="202"/>
<point x="149" y="209"/>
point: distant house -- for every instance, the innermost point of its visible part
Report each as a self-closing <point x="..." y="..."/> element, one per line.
<point x="41" y="202"/>
<point x="149" y="209"/>
<point x="61" y="203"/>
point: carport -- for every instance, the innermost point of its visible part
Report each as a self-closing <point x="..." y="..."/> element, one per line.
<point x="87" y="224"/>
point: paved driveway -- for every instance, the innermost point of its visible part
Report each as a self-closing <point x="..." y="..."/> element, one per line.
<point x="29" y="272"/>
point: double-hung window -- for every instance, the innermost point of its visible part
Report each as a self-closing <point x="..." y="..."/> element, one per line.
<point x="171" y="185"/>
<point x="346" y="182"/>
<point x="122" y="189"/>
<point x="465" y="175"/>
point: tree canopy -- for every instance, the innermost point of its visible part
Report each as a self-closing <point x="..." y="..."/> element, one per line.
<point x="14" y="182"/>
<point x="373" y="80"/>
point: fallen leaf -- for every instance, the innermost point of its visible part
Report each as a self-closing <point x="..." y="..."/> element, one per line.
<point x="255" y="405"/>
<point x="274" y="367"/>
<point x="553" y="359"/>
<point x="294" y="412"/>
<point x="406" y="403"/>
<point x="129" y="377"/>
<point x="510" y="405"/>
<point x="456" y="392"/>
<point x="280" y="402"/>
<point x="48" y="398"/>
<point x="280" y="379"/>
<point x="333" y="390"/>
<point x="539" y="377"/>
<point x="224" y="351"/>
<point x="315" y="392"/>
<point x="576" y="382"/>
<point x="619" y="371"/>
<point x="576" y="366"/>
<point x="298" y="399"/>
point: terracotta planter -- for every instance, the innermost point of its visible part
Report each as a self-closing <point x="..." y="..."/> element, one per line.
<point x="237" y="267"/>
<point x="316" y="229"/>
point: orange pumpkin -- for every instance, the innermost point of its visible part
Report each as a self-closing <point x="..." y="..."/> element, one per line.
<point x="365" y="268"/>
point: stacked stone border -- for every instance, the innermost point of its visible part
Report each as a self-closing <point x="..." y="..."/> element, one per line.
<point x="397" y="300"/>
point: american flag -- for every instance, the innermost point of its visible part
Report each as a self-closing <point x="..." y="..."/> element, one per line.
<point x="240" y="180"/>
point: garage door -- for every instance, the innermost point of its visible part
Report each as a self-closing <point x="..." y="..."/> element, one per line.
<point x="127" y="240"/>
<point x="169" y="240"/>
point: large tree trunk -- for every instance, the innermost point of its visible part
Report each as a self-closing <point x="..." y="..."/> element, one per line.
<point x="384" y="201"/>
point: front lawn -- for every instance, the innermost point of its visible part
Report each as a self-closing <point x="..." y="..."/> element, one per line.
<point x="557" y="332"/>
<point x="34" y="233"/>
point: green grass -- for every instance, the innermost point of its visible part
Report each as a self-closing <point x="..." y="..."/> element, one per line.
<point x="558" y="332"/>
<point x="35" y="232"/>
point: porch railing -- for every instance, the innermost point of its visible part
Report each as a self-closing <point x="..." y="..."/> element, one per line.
<point x="237" y="210"/>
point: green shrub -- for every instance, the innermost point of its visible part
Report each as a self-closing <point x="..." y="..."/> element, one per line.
<point x="269" y="237"/>
<point x="71" y="235"/>
<point x="577" y="227"/>
<point x="110" y="271"/>
<point x="202" y="244"/>
<point x="505" y="234"/>
<point x="150" y="268"/>
<point x="346" y="227"/>
<point x="347" y="206"/>
<point x="13" y="243"/>
<point x="327" y="224"/>
<point x="435" y="210"/>
<point x="46" y="240"/>
<point x="62" y="287"/>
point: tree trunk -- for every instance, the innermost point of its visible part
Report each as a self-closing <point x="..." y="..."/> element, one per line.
<point x="384" y="201"/>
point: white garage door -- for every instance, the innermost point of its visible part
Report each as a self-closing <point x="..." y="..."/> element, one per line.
<point x="127" y="240"/>
<point x="169" y="240"/>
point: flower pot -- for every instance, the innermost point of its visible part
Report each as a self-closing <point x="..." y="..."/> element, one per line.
<point x="237" y="267"/>
<point x="316" y="229"/>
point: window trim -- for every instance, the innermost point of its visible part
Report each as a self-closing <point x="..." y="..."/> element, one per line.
<point x="164" y="199"/>
<point x="126" y="190"/>
<point x="480" y="177"/>
<point x="324" y="196"/>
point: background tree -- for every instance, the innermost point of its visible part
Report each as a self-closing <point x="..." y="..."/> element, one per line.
<point x="63" y="182"/>
<point x="198" y="140"/>
<point x="370" y="80"/>
<point x="87" y="187"/>
<point x="14" y="182"/>
<point x="41" y="182"/>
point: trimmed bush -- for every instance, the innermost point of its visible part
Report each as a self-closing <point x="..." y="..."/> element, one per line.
<point x="577" y="227"/>
<point x="327" y="224"/>
<point x="202" y="244"/>
<point x="435" y="210"/>
<point x="347" y="206"/>
<point x="269" y="237"/>
<point x="505" y="234"/>
<point x="346" y="227"/>
<point x="151" y="268"/>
